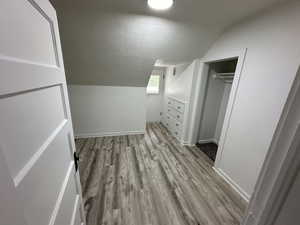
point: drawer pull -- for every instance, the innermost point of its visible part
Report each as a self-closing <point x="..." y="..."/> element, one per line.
<point x="176" y="133"/>
<point x="167" y="124"/>
<point x="177" y="124"/>
<point x="178" y="107"/>
<point x="169" y="110"/>
<point x="178" y="116"/>
<point x="169" y="103"/>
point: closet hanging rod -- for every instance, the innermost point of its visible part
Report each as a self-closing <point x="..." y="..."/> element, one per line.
<point x="223" y="77"/>
<point x="224" y="74"/>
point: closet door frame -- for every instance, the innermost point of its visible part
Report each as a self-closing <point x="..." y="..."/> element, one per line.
<point x="200" y="82"/>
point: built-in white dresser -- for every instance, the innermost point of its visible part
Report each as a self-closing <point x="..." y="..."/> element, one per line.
<point x="174" y="117"/>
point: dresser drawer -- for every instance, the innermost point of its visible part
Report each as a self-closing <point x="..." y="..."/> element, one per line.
<point x="178" y="106"/>
<point x="164" y="121"/>
<point x="171" y="111"/>
<point x="174" y="117"/>
<point x="178" y="116"/>
<point x="176" y="133"/>
<point x="175" y="114"/>
<point x="170" y="102"/>
<point x="174" y="126"/>
<point x="177" y="125"/>
<point x="168" y="122"/>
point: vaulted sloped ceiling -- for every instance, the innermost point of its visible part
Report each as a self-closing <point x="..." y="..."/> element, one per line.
<point x="116" y="42"/>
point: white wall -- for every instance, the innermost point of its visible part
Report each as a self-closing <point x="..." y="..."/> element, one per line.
<point x="118" y="48"/>
<point x="115" y="48"/>
<point x="106" y="110"/>
<point x="273" y="42"/>
<point x="179" y="85"/>
<point x="222" y="111"/>
<point x="213" y="100"/>
<point x="277" y="191"/>
<point x="154" y="107"/>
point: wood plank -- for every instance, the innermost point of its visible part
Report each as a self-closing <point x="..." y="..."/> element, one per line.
<point x="152" y="179"/>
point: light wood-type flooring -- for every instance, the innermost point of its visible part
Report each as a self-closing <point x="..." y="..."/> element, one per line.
<point x="152" y="179"/>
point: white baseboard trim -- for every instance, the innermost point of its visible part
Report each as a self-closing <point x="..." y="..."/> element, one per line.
<point x="185" y="143"/>
<point x="108" y="134"/>
<point x="211" y="140"/>
<point x="233" y="184"/>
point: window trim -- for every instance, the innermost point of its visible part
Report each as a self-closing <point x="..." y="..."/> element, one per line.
<point x="159" y="85"/>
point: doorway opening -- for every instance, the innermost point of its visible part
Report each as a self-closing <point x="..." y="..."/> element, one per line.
<point x="216" y="95"/>
<point x="154" y="95"/>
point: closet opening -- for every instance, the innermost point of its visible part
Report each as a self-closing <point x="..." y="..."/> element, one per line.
<point x="216" y="95"/>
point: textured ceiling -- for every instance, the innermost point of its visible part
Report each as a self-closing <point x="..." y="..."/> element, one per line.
<point x="116" y="42"/>
<point x="212" y="13"/>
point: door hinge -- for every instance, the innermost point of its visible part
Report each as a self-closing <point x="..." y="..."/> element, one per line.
<point x="76" y="160"/>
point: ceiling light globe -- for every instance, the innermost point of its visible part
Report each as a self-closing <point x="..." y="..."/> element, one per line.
<point x="160" y="4"/>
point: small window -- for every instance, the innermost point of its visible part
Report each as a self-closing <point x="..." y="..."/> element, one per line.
<point x="153" y="84"/>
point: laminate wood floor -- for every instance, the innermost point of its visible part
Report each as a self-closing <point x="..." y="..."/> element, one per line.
<point x="153" y="180"/>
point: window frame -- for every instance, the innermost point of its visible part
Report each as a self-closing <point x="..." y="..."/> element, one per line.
<point x="159" y="84"/>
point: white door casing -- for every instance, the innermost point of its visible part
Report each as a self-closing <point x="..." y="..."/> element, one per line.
<point x="38" y="182"/>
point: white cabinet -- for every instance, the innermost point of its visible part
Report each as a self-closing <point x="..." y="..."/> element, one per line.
<point x="174" y="117"/>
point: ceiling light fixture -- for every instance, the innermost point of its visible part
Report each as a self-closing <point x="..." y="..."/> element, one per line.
<point x="160" y="4"/>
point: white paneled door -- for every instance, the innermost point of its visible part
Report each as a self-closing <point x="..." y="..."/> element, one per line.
<point x="38" y="181"/>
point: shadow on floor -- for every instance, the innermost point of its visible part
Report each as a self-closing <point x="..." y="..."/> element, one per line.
<point x="210" y="149"/>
